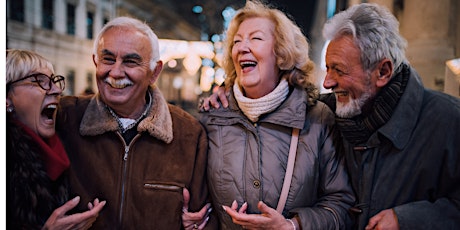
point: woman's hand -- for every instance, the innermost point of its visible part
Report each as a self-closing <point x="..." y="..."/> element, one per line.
<point x="269" y="219"/>
<point x="194" y="220"/>
<point x="59" y="219"/>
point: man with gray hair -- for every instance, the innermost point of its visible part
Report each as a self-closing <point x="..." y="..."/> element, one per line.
<point x="400" y="140"/>
<point x="128" y="146"/>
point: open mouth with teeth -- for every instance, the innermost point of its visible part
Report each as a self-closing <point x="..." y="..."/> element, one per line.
<point x="245" y="65"/>
<point x="49" y="111"/>
<point x="118" y="84"/>
<point x="341" y="93"/>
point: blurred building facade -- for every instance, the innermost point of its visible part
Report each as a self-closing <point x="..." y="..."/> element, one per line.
<point x="190" y="35"/>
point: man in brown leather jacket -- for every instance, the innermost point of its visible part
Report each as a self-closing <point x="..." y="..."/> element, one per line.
<point x="127" y="145"/>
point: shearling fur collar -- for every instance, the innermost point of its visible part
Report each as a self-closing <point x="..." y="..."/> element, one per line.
<point x="158" y="123"/>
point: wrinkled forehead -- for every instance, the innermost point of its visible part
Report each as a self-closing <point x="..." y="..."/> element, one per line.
<point x="121" y="41"/>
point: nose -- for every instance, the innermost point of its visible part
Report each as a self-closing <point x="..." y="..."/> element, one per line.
<point x="117" y="69"/>
<point x="54" y="89"/>
<point x="329" y="81"/>
<point x="243" y="46"/>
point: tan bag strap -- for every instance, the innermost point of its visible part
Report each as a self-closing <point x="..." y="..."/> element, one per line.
<point x="289" y="170"/>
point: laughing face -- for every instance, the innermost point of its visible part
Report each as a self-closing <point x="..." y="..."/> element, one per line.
<point x="34" y="106"/>
<point x="353" y="86"/>
<point x="123" y="70"/>
<point x="254" y="58"/>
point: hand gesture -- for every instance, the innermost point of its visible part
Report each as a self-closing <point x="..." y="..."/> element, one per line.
<point x="194" y="220"/>
<point x="268" y="219"/>
<point x="59" y="219"/>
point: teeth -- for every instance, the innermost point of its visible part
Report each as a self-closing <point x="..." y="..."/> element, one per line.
<point x="52" y="106"/>
<point x="118" y="84"/>
<point x="341" y="93"/>
<point x="248" y="63"/>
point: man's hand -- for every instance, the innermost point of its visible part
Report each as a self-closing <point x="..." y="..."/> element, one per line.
<point x="384" y="220"/>
<point x="219" y="94"/>
<point x="194" y="220"/>
<point x="59" y="219"/>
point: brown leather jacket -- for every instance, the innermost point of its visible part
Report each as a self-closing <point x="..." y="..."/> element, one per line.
<point x="142" y="183"/>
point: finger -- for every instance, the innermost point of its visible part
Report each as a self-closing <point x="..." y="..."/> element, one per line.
<point x="265" y="209"/>
<point x="186" y="195"/>
<point x="91" y="205"/>
<point x="205" y="104"/>
<point x="372" y="223"/>
<point x="243" y="208"/>
<point x="222" y="96"/>
<point x="61" y="211"/>
<point x="213" y="101"/>
<point x="234" y="205"/>
<point x="231" y="210"/>
<point x="203" y="224"/>
<point x="97" y="207"/>
<point x="198" y="216"/>
<point x="88" y="215"/>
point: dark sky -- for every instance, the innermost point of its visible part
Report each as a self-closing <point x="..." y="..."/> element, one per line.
<point x="301" y="10"/>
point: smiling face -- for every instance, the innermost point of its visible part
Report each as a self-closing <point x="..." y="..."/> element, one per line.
<point x="34" y="106"/>
<point x="123" y="70"/>
<point x="353" y="86"/>
<point x="254" y="58"/>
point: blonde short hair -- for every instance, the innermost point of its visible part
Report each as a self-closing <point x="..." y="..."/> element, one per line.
<point x="20" y="63"/>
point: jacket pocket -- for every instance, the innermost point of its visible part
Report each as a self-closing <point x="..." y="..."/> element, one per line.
<point x="168" y="186"/>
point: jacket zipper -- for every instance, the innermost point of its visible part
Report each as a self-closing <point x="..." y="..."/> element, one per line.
<point x="124" y="176"/>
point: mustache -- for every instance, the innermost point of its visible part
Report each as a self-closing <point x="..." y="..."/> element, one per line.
<point x="118" y="83"/>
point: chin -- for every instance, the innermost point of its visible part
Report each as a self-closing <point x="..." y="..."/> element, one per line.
<point x="46" y="135"/>
<point x="347" y="110"/>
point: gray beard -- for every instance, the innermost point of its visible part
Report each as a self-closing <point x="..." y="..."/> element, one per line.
<point x="352" y="108"/>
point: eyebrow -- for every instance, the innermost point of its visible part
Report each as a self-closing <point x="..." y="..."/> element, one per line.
<point x="127" y="56"/>
<point x="252" y="33"/>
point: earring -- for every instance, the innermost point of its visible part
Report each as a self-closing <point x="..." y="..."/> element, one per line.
<point x="10" y="109"/>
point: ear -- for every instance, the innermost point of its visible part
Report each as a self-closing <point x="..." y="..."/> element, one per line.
<point x="94" y="60"/>
<point x="385" y="70"/>
<point x="9" y="102"/>
<point x="156" y="72"/>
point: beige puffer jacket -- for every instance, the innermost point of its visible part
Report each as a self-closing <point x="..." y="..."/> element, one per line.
<point x="247" y="162"/>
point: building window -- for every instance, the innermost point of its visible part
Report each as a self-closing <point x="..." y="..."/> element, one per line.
<point x="47" y="14"/>
<point x="89" y="79"/>
<point x="89" y="84"/>
<point x="89" y="25"/>
<point x="70" y="83"/>
<point x="17" y="10"/>
<point x="70" y="19"/>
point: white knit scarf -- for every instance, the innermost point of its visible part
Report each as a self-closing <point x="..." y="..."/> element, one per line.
<point x="253" y="108"/>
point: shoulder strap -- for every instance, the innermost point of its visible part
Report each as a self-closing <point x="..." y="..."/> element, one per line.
<point x="289" y="170"/>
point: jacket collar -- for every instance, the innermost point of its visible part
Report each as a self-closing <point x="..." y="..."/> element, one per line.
<point x="158" y="123"/>
<point x="291" y="113"/>
<point x="404" y="119"/>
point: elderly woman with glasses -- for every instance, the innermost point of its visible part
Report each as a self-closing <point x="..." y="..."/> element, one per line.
<point x="37" y="187"/>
